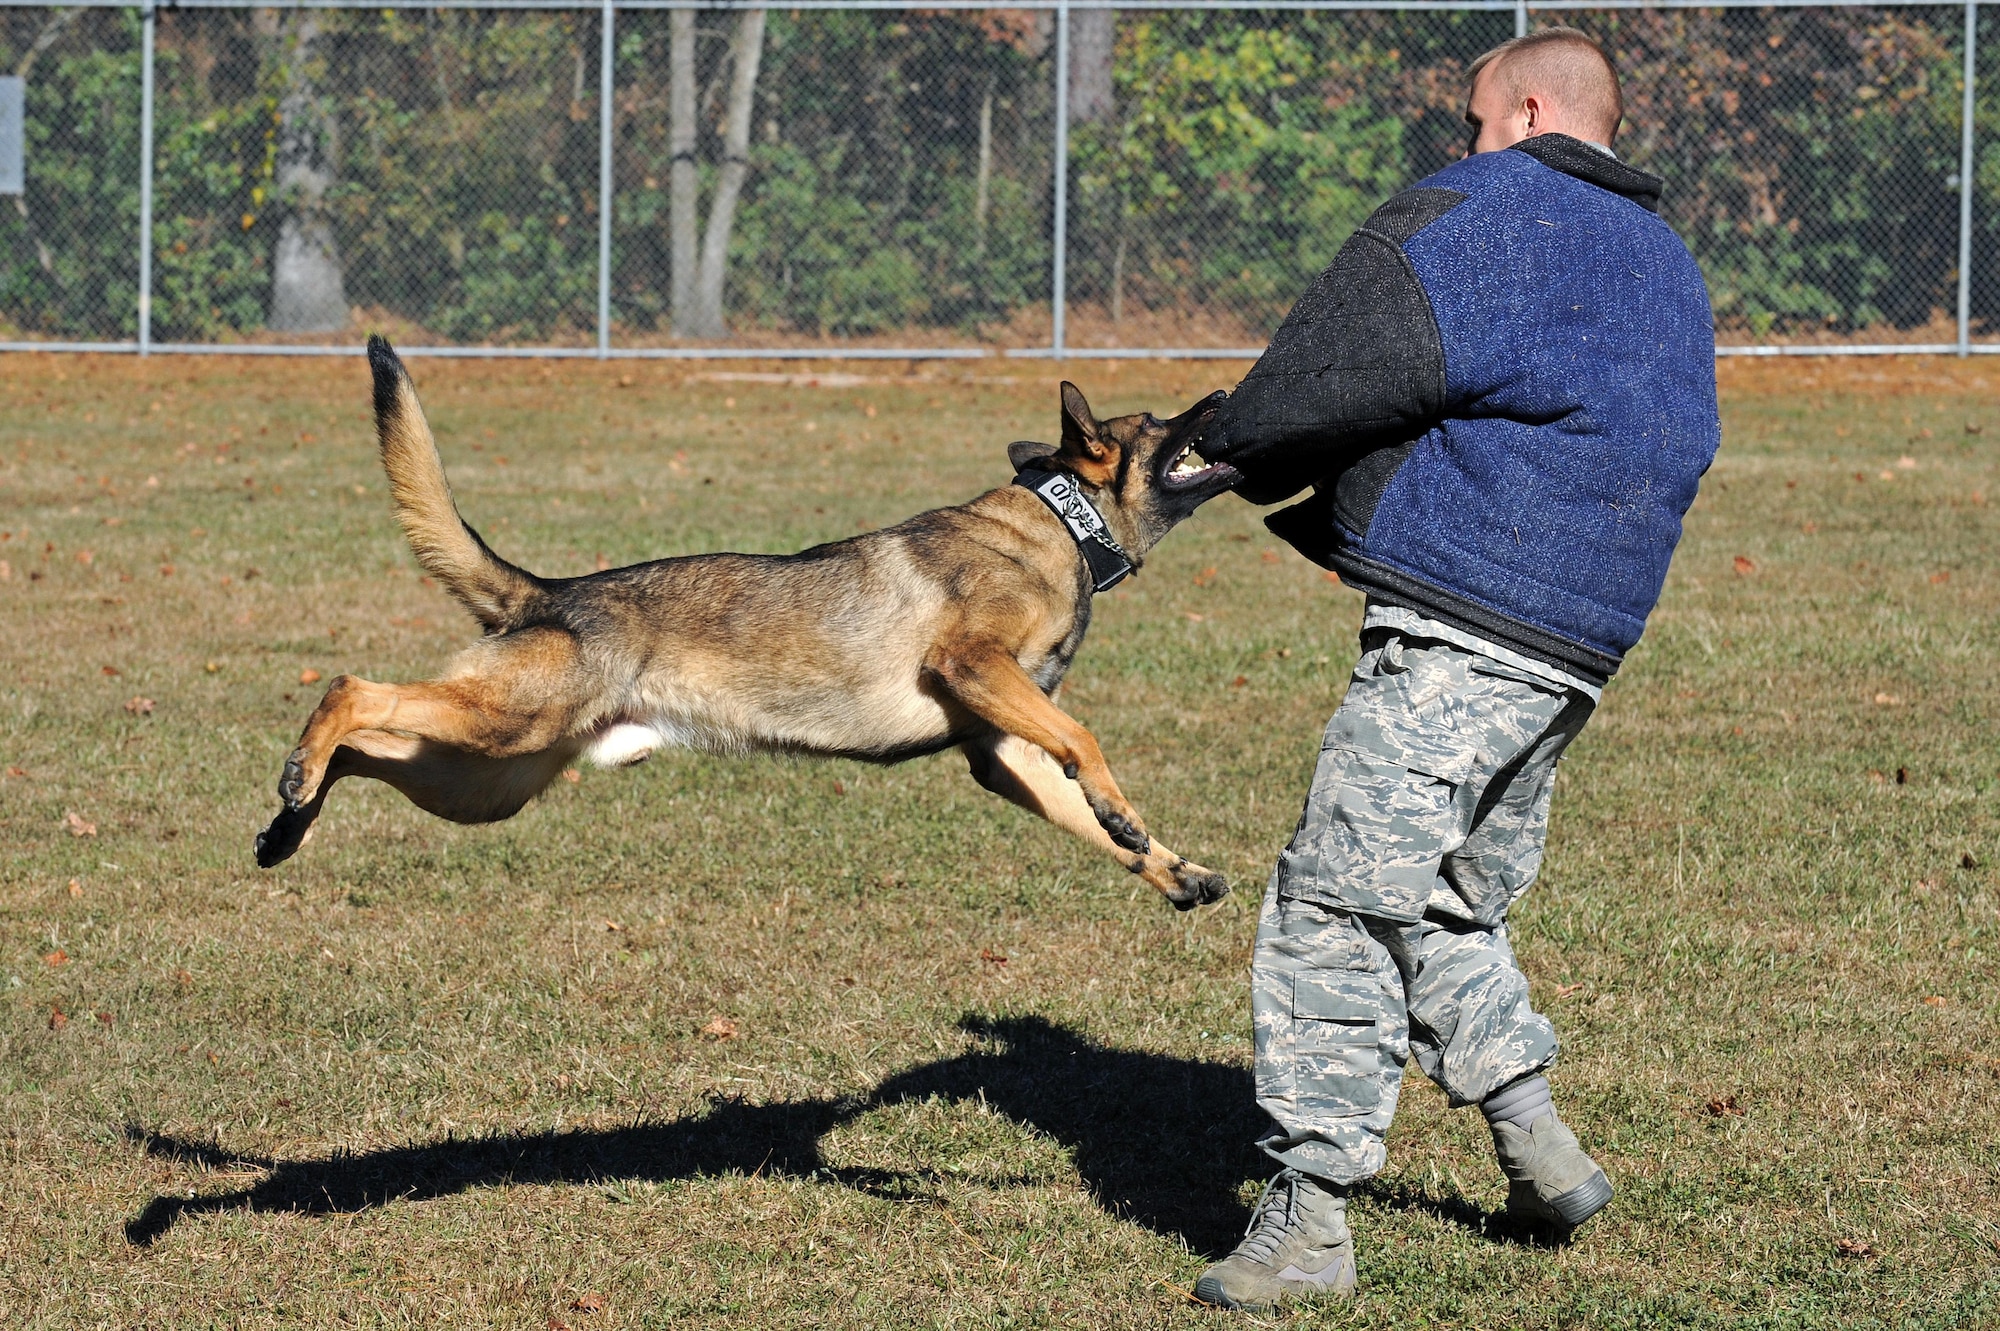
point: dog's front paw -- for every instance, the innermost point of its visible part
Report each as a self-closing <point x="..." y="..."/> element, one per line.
<point x="1196" y="886"/>
<point x="1125" y="832"/>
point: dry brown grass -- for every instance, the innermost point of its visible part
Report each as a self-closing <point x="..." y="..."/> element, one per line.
<point x="428" y="1074"/>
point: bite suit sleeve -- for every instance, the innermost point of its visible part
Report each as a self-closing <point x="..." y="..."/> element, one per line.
<point x="1356" y="366"/>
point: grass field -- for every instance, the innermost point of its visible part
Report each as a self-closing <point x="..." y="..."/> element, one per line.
<point x="426" y="1074"/>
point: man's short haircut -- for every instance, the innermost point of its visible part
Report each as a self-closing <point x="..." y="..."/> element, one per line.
<point x="1565" y="65"/>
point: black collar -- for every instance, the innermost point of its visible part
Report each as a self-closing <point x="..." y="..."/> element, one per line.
<point x="1108" y="562"/>
<point x="1574" y="157"/>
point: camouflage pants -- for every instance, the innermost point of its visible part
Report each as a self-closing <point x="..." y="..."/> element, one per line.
<point x="1383" y="932"/>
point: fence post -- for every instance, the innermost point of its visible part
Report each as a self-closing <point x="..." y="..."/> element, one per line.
<point x="146" y="180"/>
<point x="1520" y="18"/>
<point x="1965" y="168"/>
<point x="604" y="86"/>
<point x="1058" y="276"/>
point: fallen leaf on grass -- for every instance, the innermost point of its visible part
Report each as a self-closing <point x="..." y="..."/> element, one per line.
<point x="722" y="1028"/>
<point x="1724" y="1107"/>
<point x="110" y="672"/>
<point x="613" y="927"/>
<point x="308" y="676"/>
<point x="1743" y="564"/>
<point x="1193" y="618"/>
<point x="602" y="562"/>
<point x="1205" y="577"/>
<point x="57" y="957"/>
<point x="75" y="888"/>
<point x="1906" y="463"/>
<point x="183" y="977"/>
<point x="1271" y="556"/>
<point x="1887" y="700"/>
<point x="571" y="775"/>
<point x="57" y="1020"/>
<point x="1565" y="990"/>
<point x="988" y="955"/>
<point x="1853" y="1248"/>
<point x="1941" y="577"/>
<point x="590" y="1303"/>
<point x="104" y="1017"/>
<point x="1239" y="681"/>
<point x="74" y="821"/>
<point x="139" y="706"/>
<point x="17" y="771"/>
<point x="1936" y="1000"/>
<point x="1331" y="577"/>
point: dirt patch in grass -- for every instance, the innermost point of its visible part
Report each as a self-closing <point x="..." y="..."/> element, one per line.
<point x="769" y="1043"/>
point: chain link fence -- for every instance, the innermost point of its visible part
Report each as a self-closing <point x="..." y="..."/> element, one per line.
<point x="849" y="178"/>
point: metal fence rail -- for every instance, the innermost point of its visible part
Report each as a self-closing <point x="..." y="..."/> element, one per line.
<point x="869" y="178"/>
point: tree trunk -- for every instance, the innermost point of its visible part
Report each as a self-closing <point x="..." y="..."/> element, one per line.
<point x="307" y="293"/>
<point x="982" y="196"/>
<point x="746" y="53"/>
<point x="682" y="179"/>
<point x="1092" y="33"/>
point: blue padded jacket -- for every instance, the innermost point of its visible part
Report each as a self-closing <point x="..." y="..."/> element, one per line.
<point x="1503" y="392"/>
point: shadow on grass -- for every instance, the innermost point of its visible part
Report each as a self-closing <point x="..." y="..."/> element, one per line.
<point x="1164" y="1142"/>
<point x="1452" y="1209"/>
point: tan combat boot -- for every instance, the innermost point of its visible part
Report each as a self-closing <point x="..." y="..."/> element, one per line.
<point x="1550" y="1179"/>
<point x="1297" y="1246"/>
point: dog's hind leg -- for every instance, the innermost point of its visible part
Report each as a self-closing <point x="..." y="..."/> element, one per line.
<point x="451" y="783"/>
<point x="519" y="700"/>
<point x="1024" y="774"/>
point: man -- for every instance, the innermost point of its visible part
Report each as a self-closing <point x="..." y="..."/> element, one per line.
<point x="1502" y="393"/>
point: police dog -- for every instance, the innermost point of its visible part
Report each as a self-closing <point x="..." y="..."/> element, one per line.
<point x="953" y="628"/>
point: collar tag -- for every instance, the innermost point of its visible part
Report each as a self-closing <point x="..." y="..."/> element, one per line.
<point x="1108" y="562"/>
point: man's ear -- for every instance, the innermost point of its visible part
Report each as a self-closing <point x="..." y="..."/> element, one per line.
<point x="1080" y="436"/>
<point x="1027" y="452"/>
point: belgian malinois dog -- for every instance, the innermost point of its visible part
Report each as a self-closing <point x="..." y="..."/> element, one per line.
<point x="955" y="627"/>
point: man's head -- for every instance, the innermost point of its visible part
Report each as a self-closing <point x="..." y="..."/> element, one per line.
<point x="1556" y="81"/>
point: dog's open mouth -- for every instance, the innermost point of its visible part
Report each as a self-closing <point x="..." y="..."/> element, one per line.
<point x="1189" y="468"/>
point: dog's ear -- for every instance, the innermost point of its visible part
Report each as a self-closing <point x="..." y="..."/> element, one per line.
<point x="1080" y="436"/>
<point x="1092" y="457"/>
<point x="1027" y="452"/>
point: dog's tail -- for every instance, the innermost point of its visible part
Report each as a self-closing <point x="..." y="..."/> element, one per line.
<point x="499" y="595"/>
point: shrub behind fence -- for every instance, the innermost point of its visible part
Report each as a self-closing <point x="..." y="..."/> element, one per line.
<point x="491" y="176"/>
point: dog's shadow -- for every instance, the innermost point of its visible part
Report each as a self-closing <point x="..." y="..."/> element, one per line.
<point x="1165" y="1142"/>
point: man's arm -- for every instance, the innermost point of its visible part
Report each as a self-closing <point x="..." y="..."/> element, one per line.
<point x="1357" y="365"/>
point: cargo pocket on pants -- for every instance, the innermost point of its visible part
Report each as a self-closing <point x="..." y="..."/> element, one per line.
<point x="1338" y="1055"/>
<point x="1388" y="831"/>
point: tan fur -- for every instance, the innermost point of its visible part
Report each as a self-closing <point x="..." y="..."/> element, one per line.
<point x="953" y="628"/>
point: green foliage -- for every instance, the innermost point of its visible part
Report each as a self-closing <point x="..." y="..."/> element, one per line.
<point x="1809" y="156"/>
<point x="1241" y="157"/>
<point x="69" y="247"/>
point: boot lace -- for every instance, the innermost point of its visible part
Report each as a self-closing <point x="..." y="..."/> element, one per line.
<point x="1273" y="1220"/>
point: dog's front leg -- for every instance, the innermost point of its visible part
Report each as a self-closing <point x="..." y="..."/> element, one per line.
<point x="989" y="683"/>
<point x="1024" y="774"/>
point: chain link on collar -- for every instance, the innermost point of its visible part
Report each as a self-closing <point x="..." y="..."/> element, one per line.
<point x="1109" y="564"/>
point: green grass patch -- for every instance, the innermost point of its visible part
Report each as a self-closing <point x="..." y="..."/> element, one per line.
<point x="426" y="1074"/>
